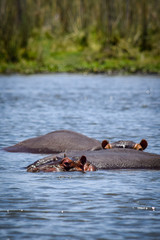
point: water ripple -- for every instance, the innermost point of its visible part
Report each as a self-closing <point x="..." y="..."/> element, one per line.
<point x="101" y="205"/>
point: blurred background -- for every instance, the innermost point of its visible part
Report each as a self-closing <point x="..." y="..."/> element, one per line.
<point x="79" y="36"/>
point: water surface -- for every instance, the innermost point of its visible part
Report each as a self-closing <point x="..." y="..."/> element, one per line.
<point x="117" y="204"/>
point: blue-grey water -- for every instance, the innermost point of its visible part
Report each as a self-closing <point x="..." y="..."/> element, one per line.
<point x="115" y="204"/>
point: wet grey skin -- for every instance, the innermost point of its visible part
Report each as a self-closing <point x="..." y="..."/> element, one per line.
<point x="123" y="144"/>
<point x="116" y="158"/>
<point x="56" y="142"/>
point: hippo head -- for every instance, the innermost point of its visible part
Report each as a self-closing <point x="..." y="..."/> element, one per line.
<point x="63" y="165"/>
<point x="79" y="165"/>
<point x="69" y="165"/>
<point x="125" y="144"/>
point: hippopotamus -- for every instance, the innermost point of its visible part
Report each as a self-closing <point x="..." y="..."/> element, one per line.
<point x="125" y="144"/>
<point x="56" y="142"/>
<point x="116" y="158"/>
<point x="61" y="165"/>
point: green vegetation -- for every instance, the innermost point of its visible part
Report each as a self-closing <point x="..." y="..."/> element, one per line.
<point x="80" y="36"/>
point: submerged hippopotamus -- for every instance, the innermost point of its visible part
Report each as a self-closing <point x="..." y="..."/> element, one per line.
<point x="56" y="142"/>
<point x="116" y="158"/>
<point x="125" y="144"/>
<point x="61" y="165"/>
<point x="65" y="140"/>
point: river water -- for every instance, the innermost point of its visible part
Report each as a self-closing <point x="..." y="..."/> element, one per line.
<point x="115" y="204"/>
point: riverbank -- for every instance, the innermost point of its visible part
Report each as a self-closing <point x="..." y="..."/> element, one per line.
<point x="81" y="62"/>
<point x="77" y="62"/>
<point x="80" y="37"/>
<point x="46" y="54"/>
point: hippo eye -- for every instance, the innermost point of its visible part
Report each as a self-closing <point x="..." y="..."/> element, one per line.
<point x="66" y="164"/>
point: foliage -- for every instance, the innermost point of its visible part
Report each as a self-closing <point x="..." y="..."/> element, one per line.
<point x="79" y="35"/>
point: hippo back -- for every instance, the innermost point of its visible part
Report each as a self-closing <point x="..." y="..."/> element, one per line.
<point x="55" y="142"/>
<point x="120" y="158"/>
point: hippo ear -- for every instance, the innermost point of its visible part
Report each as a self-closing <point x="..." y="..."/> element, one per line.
<point x="83" y="160"/>
<point x="144" y="143"/>
<point x="104" y="143"/>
